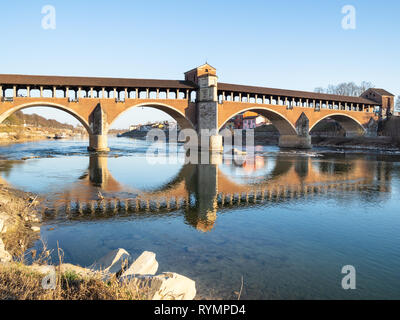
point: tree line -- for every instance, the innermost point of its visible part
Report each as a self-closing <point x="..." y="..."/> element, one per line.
<point x="351" y="89"/>
<point x="346" y="88"/>
<point x="19" y="118"/>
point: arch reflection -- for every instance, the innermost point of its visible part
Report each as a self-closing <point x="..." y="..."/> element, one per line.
<point x="200" y="191"/>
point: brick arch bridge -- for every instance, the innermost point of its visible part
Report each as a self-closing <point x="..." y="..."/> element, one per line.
<point x="198" y="102"/>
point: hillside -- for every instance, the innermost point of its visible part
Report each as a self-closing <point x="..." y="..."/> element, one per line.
<point x="19" y="118"/>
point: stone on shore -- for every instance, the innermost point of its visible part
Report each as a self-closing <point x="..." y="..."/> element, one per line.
<point x="175" y="287"/>
<point x="113" y="262"/>
<point x="1" y="225"/>
<point x="4" y="255"/>
<point x="145" y="264"/>
<point x="166" y="286"/>
<point x="35" y="229"/>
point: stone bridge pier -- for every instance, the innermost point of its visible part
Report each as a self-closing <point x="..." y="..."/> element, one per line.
<point x="203" y="185"/>
<point x="98" y="170"/>
<point x="99" y="127"/>
<point x="302" y="138"/>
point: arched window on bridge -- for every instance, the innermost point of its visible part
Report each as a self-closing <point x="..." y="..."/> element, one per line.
<point x="153" y="94"/>
<point x="48" y="93"/>
<point x="103" y="94"/>
<point x="72" y="94"/>
<point x="181" y="95"/>
<point x="60" y="93"/>
<point x="193" y="96"/>
<point x="34" y="93"/>
<point x="84" y="93"/>
<point x="22" y="93"/>
<point x="172" y="95"/>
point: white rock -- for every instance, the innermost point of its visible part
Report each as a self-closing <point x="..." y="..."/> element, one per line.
<point x="35" y="229"/>
<point x="145" y="264"/>
<point x="167" y="286"/>
<point x="175" y="287"/>
<point x="4" y="255"/>
<point x="113" y="262"/>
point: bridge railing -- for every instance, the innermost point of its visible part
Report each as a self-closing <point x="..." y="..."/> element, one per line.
<point x="291" y="102"/>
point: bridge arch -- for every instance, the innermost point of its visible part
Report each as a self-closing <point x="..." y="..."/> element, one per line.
<point x="281" y="123"/>
<point x="6" y="114"/>
<point x="173" y="112"/>
<point x="349" y="124"/>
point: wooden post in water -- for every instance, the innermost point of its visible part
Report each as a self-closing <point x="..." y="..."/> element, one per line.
<point x="137" y="205"/>
<point x="223" y="199"/>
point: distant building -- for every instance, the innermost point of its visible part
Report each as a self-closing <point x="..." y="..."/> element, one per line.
<point x="252" y="120"/>
<point x="247" y="120"/>
<point x="383" y="97"/>
<point x="133" y="127"/>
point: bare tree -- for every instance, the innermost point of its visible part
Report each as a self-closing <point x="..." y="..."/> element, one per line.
<point x="346" y="88"/>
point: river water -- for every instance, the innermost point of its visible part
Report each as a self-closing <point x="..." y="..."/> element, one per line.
<point x="284" y="222"/>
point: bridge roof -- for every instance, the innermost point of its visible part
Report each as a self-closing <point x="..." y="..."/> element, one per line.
<point x="95" y="82"/>
<point x="292" y="93"/>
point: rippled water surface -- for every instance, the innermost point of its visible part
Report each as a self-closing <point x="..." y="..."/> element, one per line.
<point x="286" y="222"/>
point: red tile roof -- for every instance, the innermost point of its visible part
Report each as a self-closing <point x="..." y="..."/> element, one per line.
<point x="291" y="93"/>
<point x="14" y="79"/>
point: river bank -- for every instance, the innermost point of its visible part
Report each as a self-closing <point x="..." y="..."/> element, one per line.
<point x="116" y="276"/>
<point x="358" y="143"/>
<point x="267" y="136"/>
<point x="20" y="133"/>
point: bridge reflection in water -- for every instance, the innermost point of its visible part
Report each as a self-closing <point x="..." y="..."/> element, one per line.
<point x="199" y="191"/>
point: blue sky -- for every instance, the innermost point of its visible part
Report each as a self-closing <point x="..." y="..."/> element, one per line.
<point x="282" y="44"/>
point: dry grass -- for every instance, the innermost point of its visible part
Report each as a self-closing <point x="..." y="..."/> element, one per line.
<point x="19" y="282"/>
<point x="18" y="212"/>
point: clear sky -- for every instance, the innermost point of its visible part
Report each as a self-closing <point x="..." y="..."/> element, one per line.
<point x="282" y="44"/>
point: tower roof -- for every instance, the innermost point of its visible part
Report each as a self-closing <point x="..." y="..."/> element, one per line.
<point x="381" y="92"/>
<point x="202" y="70"/>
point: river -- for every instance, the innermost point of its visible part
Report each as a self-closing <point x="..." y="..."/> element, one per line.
<point x="286" y="222"/>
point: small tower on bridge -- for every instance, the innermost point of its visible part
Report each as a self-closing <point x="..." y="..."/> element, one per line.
<point x="196" y="73"/>
<point x="383" y="97"/>
<point x="205" y="76"/>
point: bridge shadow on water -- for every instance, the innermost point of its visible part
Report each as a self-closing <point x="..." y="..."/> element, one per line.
<point x="200" y="191"/>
